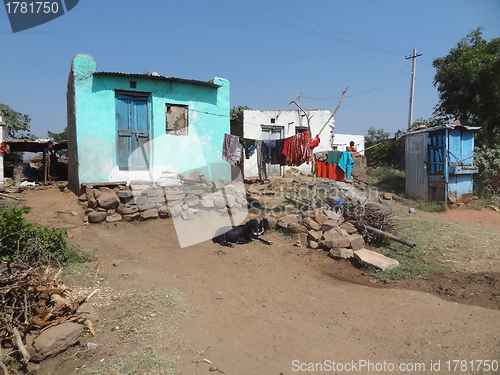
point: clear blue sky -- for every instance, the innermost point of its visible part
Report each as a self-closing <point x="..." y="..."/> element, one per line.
<point x="268" y="50"/>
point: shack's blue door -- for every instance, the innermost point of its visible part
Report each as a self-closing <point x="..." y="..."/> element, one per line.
<point x="132" y="122"/>
<point x="461" y="149"/>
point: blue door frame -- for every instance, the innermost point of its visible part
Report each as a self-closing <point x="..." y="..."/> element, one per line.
<point x="132" y="122"/>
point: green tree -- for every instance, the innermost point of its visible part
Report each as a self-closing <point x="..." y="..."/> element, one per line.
<point x="430" y="122"/>
<point x="59" y="137"/>
<point x="384" y="150"/>
<point x="375" y="136"/>
<point x="235" y="111"/>
<point x="468" y="83"/>
<point x="17" y="122"/>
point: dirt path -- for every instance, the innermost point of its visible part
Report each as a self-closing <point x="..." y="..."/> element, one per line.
<point x="484" y="219"/>
<point x="259" y="308"/>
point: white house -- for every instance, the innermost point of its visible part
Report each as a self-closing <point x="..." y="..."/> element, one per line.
<point x="279" y="124"/>
<point x="341" y="142"/>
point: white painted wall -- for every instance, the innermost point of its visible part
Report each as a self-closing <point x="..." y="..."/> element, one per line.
<point x="288" y="120"/>
<point x="342" y="141"/>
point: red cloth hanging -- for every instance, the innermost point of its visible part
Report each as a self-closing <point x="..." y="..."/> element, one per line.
<point x="285" y="146"/>
<point x="299" y="149"/>
<point x="4" y="148"/>
<point x="315" y="141"/>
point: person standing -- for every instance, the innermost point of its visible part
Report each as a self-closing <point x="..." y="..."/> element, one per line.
<point x="351" y="147"/>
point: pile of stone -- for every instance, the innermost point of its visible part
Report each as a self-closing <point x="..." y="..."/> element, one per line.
<point x="143" y="200"/>
<point x="341" y="239"/>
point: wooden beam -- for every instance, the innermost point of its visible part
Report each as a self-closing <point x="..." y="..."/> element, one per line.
<point x="45" y="149"/>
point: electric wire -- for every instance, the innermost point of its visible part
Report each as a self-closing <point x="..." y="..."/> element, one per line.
<point x="368" y="91"/>
<point x="325" y="27"/>
<point x="300" y="28"/>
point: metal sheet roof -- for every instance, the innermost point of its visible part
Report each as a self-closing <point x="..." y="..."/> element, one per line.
<point x="38" y="145"/>
<point x="159" y="78"/>
<point x="449" y="126"/>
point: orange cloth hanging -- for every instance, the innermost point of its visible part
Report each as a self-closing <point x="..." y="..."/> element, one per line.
<point x="332" y="172"/>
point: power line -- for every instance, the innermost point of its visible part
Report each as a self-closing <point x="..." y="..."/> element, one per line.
<point x="325" y="27"/>
<point x="364" y="92"/>
<point x="300" y="28"/>
<point x="378" y="110"/>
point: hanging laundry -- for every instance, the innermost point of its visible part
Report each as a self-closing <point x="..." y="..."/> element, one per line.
<point x="285" y="146"/>
<point x="315" y="141"/>
<point x="231" y="149"/>
<point x="4" y="148"/>
<point x="277" y="156"/>
<point x="333" y="157"/>
<point x="321" y="156"/>
<point x="330" y="171"/>
<point x="299" y="149"/>
<point x="261" y="164"/>
<point x="248" y="146"/>
<point x="251" y="151"/>
<point x="346" y="163"/>
<point x="270" y="145"/>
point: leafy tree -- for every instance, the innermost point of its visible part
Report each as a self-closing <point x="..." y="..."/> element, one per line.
<point x="430" y="122"/>
<point x="468" y="83"/>
<point x="235" y="111"/>
<point x="375" y="136"/>
<point x="386" y="153"/>
<point x="17" y="122"/>
<point x="487" y="181"/>
<point x="59" y="137"/>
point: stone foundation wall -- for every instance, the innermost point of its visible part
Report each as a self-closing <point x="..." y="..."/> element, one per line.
<point x="143" y="200"/>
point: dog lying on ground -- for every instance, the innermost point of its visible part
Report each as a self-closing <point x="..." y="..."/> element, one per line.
<point x="242" y="234"/>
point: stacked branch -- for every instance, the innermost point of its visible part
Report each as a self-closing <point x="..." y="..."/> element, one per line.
<point x="375" y="221"/>
<point x="370" y="215"/>
<point x="30" y="300"/>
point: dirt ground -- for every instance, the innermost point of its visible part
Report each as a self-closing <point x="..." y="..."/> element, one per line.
<point x="257" y="309"/>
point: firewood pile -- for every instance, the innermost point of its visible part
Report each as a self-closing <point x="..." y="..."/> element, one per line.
<point x="32" y="301"/>
<point x="370" y="215"/>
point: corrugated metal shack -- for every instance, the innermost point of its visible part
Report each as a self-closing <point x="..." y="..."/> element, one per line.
<point x="439" y="163"/>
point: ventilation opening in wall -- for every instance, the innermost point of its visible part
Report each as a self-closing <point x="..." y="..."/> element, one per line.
<point x="273" y="121"/>
<point x="133" y="84"/>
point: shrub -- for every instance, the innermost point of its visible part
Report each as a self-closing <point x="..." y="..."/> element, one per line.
<point x="387" y="178"/>
<point x="487" y="181"/>
<point x="34" y="244"/>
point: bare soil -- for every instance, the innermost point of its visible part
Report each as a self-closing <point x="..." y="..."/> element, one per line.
<point x="254" y="309"/>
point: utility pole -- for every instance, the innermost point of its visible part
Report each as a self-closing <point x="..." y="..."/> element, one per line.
<point x="412" y="89"/>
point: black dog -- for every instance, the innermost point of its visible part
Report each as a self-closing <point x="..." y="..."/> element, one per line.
<point x="242" y="234"/>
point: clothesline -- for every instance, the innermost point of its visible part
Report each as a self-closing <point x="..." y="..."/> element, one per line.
<point x="291" y="151"/>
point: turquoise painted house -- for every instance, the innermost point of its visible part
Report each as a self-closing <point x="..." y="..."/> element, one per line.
<point x="124" y="127"/>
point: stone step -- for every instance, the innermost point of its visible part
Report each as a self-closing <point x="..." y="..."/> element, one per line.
<point x="376" y="260"/>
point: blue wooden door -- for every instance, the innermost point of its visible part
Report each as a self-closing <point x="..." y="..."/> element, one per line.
<point x="461" y="148"/>
<point x="132" y="121"/>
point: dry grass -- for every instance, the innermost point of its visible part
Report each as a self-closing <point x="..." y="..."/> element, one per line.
<point x="145" y="321"/>
<point x="441" y="248"/>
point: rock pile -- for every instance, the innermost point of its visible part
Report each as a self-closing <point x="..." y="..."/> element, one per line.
<point x="340" y="238"/>
<point x="143" y="200"/>
<point x="317" y="230"/>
